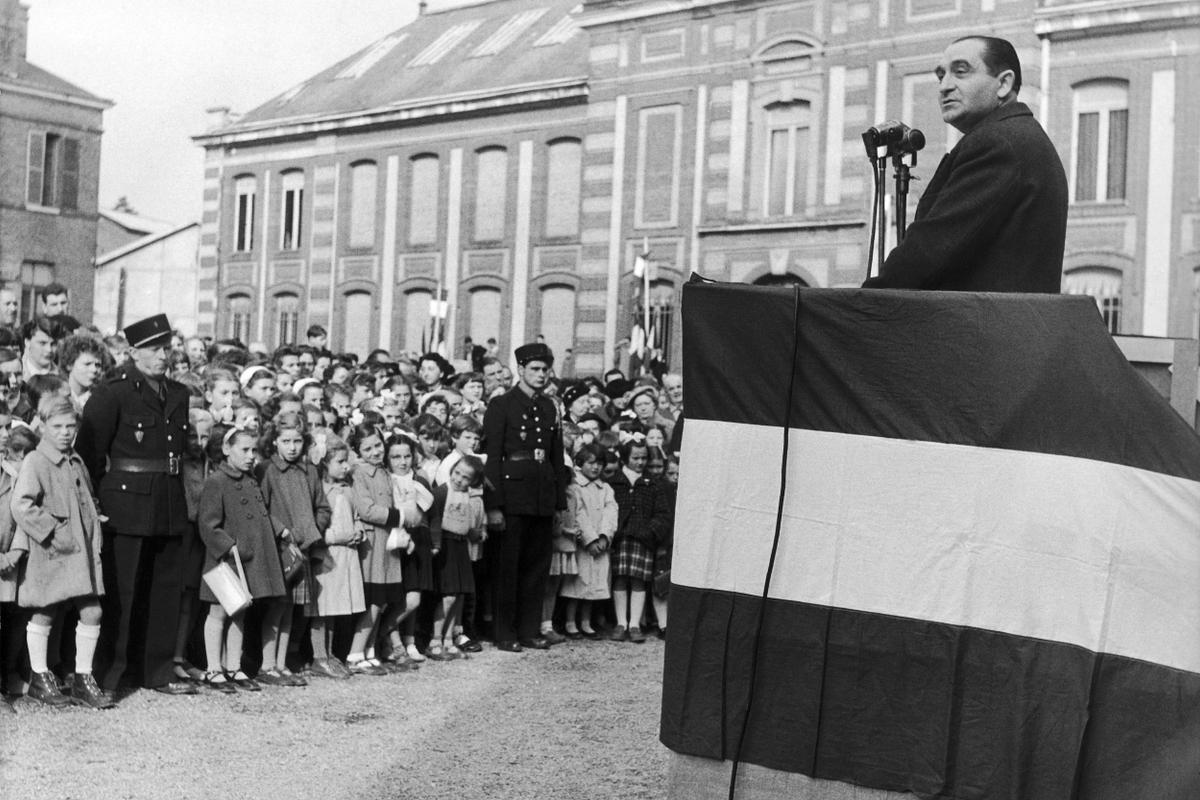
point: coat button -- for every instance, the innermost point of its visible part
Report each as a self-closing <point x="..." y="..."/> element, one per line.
<point x="244" y="501"/>
<point x="122" y="487"/>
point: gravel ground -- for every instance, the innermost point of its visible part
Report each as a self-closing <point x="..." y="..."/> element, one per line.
<point x="579" y="722"/>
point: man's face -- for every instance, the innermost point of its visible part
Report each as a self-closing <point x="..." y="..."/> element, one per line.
<point x="290" y="365"/>
<point x="305" y="362"/>
<point x="151" y="361"/>
<point x="535" y="374"/>
<point x="196" y="352"/>
<point x="54" y="304"/>
<point x="966" y="91"/>
<point x="40" y="348"/>
<point x="673" y="385"/>
<point x="491" y="376"/>
<point x="318" y="342"/>
<point x="430" y="373"/>
<point x="8" y="307"/>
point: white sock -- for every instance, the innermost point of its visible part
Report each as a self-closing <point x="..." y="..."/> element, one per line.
<point x="86" y="637"/>
<point x="37" y="639"/>
<point x="547" y="627"/>
<point x="354" y="658"/>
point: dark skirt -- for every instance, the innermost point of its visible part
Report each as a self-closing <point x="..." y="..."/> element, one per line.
<point x="381" y="594"/>
<point x="632" y="559"/>
<point x="419" y="572"/>
<point x="453" y="565"/>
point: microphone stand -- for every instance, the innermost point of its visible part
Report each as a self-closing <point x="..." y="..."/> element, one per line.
<point x="903" y="177"/>
<point x="880" y="211"/>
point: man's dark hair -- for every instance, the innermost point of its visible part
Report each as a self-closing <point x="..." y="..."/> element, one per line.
<point x="72" y="347"/>
<point x="49" y="290"/>
<point x="47" y="325"/>
<point x="999" y="54"/>
<point x="315" y="330"/>
<point x="282" y="352"/>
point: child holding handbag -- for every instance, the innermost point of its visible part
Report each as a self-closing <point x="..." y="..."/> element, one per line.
<point x="455" y="519"/>
<point x="59" y="527"/>
<point x="292" y="490"/>
<point x="411" y="495"/>
<point x="234" y="523"/>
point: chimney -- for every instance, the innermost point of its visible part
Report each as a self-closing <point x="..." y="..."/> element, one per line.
<point x="422" y="7"/>
<point x="220" y="117"/>
<point x="14" y="35"/>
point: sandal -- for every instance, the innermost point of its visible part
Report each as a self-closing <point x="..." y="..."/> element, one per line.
<point x="414" y="653"/>
<point x="365" y="667"/>
<point x="244" y="681"/>
<point x="218" y="682"/>
<point x="434" y="652"/>
<point x="289" y="678"/>
<point x="186" y="672"/>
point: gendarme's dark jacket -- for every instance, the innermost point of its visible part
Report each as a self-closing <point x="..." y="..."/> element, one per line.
<point x="994" y="217"/>
<point x="514" y="426"/>
<point x="125" y="419"/>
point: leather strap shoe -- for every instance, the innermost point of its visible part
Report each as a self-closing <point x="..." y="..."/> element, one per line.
<point x="536" y="643"/>
<point x="509" y="647"/>
<point x="554" y="637"/>
<point x="176" y="687"/>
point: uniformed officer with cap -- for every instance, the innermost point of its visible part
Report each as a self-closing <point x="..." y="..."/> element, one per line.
<point x="131" y="435"/>
<point x="526" y="485"/>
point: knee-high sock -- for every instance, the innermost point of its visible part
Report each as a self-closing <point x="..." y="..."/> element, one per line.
<point x="37" y="639"/>
<point x="86" y="637"/>
<point x="214" y="636"/>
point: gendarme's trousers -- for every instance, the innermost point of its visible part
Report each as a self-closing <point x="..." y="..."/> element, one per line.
<point x="143" y="578"/>
<point x="522" y="562"/>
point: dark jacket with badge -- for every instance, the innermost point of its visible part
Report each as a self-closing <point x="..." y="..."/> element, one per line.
<point x="522" y="438"/>
<point x="131" y="442"/>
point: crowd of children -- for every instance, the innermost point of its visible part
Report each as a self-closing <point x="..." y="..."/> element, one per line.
<point x="349" y="497"/>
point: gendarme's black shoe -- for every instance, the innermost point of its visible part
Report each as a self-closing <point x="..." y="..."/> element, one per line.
<point x="85" y="692"/>
<point x="509" y="647"/>
<point x="43" y="686"/>
<point x="536" y="643"/>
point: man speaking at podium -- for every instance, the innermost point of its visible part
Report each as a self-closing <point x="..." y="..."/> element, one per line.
<point x="994" y="216"/>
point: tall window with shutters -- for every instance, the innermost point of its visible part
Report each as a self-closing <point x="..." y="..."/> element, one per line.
<point x="564" y="166"/>
<point x="244" y="191"/>
<point x="52" y="171"/>
<point x="788" y="126"/>
<point x="287" y="319"/>
<point x="363" y="190"/>
<point x="656" y="200"/>
<point x="424" y="183"/>
<point x="292" y="213"/>
<point x="1101" y="140"/>
<point x="491" y="193"/>
<point x="237" y="310"/>
<point x="34" y="275"/>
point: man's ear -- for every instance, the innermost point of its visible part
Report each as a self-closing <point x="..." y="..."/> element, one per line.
<point x="1007" y="78"/>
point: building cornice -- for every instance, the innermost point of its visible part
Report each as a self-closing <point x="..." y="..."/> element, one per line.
<point x="508" y="98"/>
<point x="740" y="228"/>
<point x="94" y="103"/>
<point x="1072" y="20"/>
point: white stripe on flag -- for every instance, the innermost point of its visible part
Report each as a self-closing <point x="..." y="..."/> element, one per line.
<point x="1065" y="549"/>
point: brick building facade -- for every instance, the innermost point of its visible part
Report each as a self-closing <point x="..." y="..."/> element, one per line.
<point x="49" y="173"/>
<point x="517" y="155"/>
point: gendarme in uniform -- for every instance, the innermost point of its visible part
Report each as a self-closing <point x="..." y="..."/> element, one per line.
<point x="526" y="485"/>
<point x="131" y="436"/>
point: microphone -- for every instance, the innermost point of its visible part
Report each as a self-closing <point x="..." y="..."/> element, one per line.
<point x="895" y="135"/>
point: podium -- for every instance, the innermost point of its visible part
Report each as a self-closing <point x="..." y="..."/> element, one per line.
<point x="931" y="544"/>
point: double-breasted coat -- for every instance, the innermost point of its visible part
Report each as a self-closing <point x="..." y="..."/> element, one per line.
<point x="124" y="421"/>
<point x="58" y="524"/>
<point x="994" y="217"/>
<point x="232" y="511"/>
<point x="522" y="438"/>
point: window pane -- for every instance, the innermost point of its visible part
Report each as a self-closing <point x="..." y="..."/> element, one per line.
<point x="485" y="314"/>
<point x="243" y="223"/>
<point x="423" y="202"/>
<point x="1086" y="155"/>
<point x="357" y="337"/>
<point x="363" y="186"/>
<point x="778" y="175"/>
<point x="800" y="186"/>
<point x="416" y="320"/>
<point x="491" y="193"/>
<point x="562" y="189"/>
<point x="50" y="170"/>
<point x="1118" y="128"/>
<point x="34" y="168"/>
<point x="68" y="182"/>
<point x="558" y="318"/>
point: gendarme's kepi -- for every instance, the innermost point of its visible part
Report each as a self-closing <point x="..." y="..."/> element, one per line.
<point x="534" y="352"/>
<point x="149" y="332"/>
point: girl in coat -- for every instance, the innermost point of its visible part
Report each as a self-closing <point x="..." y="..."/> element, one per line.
<point x="296" y="500"/>
<point x="337" y="570"/>
<point x="411" y="494"/>
<point x="643" y="517"/>
<point x="197" y="464"/>
<point x="59" y="527"/>
<point x="21" y="441"/>
<point x="591" y="520"/>
<point x="233" y="518"/>
<point x="456" y="518"/>
<point x="383" y="569"/>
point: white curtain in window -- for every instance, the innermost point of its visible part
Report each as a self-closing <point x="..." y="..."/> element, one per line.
<point x="558" y="318"/>
<point x="357" y="338"/>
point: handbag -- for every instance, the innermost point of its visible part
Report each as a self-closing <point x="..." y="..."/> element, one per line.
<point x="398" y="539"/>
<point x="292" y="561"/>
<point x="229" y="587"/>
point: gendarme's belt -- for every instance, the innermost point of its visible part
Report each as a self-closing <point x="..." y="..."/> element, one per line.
<point x="154" y="466"/>
<point x="537" y="454"/>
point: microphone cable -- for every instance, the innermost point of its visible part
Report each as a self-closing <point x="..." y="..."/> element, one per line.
<point x="762" y="609"/>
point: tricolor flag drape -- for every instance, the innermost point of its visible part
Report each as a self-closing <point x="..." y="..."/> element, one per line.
<point x="987" y="580"/>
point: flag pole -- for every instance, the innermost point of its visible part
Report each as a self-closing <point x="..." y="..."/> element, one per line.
<point x="646" y="299"/>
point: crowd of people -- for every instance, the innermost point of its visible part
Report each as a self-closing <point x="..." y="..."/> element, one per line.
<point x="380" y="513"/>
